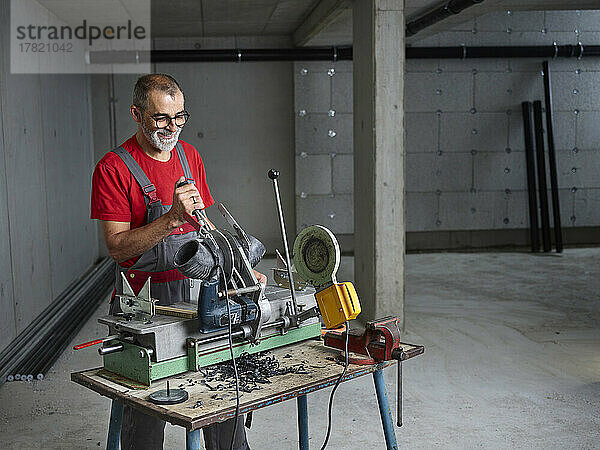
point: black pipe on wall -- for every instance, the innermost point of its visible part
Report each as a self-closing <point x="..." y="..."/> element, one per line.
<point x="258" y="54"/>
<point x="345" y="53"/>
<point x="222" y="55"/>
<point x="340" y="54"/>
<point x="514" y="51"/>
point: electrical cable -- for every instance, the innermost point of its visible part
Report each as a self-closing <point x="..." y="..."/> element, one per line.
<point x="235" y="371"/>
<point x="337" y="383"/>
<point x="230" y="339"/>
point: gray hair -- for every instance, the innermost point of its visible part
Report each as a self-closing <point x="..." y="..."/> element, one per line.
<point x="154" y="81"/>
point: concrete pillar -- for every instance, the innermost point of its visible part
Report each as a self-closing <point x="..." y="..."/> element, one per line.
<point x="378" y="42"/>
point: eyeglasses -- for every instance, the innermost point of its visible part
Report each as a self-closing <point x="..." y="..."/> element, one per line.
<point x="163" y="120"/>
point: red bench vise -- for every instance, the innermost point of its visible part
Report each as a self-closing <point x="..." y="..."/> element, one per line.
<point x="379" y="342"/>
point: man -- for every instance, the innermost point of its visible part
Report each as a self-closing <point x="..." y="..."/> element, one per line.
<point x="132" y="187"/>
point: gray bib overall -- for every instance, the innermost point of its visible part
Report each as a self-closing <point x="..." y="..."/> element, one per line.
<point x="167" y="284"/>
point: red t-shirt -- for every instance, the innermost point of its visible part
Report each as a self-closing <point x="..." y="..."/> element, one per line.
<point x="116" y="195"/>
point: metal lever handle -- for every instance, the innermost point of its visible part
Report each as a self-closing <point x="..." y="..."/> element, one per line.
<point x="399" y="394"/>
<point x="273" y="175"/>
<point x="87" y="344"/>
<point x="111" y="349"/>
<point x="399" y="355"/>
<point x="94" y="342"/>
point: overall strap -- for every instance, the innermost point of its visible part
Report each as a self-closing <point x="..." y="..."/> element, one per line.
<point x="147" y="187"/>
<point x="184" y="163"/>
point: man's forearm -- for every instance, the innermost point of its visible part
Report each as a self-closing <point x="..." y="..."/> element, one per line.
<point x="131" y="243"/>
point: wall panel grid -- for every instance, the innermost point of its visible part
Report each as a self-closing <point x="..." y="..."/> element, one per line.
<point x="465" y="159"/>
<point x="324" y="145"/>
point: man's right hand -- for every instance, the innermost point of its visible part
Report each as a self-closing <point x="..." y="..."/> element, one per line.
<point x="186" y="199"/>
<point x="123" y="243"/>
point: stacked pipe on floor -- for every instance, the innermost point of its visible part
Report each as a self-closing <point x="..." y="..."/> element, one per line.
<point x="31" y="355"/>
<point x="537" y="158"/>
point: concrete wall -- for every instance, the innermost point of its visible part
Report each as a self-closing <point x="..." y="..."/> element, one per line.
<point x="241" y="123"/>
<point x="45" y="169"/>
<point x="465" y="167"/>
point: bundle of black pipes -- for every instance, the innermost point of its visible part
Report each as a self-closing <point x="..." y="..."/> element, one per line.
<point x="35" y="350"/>
<point x="539" y="160"/>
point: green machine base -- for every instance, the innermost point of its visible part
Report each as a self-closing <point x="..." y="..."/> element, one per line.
<point x="134" y="367"/>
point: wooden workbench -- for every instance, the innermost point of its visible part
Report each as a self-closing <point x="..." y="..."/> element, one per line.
<point x="217" y="406"/>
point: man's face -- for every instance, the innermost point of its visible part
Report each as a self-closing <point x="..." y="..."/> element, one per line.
<point x="161" y="104"/>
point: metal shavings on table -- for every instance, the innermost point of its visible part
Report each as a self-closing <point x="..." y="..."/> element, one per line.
<point x="253" y="370"/>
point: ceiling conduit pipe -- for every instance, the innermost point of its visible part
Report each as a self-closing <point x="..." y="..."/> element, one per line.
<point x="438" y="14"/>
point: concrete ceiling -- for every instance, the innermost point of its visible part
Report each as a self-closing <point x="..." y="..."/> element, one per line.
<point x="206" y="18"/>
<point x="309" y="22"/>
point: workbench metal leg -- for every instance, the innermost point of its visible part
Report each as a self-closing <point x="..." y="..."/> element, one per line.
<point x="113" y="441"/>
<point x="385" y="411"/>
<point x="193" y="439"/>
<point x="303" y="421"/>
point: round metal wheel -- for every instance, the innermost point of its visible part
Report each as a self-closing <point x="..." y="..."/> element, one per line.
<point x="317" y="255"/>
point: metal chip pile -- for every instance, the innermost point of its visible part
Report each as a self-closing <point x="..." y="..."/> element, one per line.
<point x="253" y="370"/>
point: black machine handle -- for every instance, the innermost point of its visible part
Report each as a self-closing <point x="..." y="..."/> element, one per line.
<point x="197" y="213"/>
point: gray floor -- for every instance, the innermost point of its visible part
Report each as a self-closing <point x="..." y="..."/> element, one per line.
<point x="512" y="361"/>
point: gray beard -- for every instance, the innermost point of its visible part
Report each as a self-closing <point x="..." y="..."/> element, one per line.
<point x="162" y="144"/>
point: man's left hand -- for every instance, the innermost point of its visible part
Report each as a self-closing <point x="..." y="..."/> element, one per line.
<point x="261" y="277"/>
